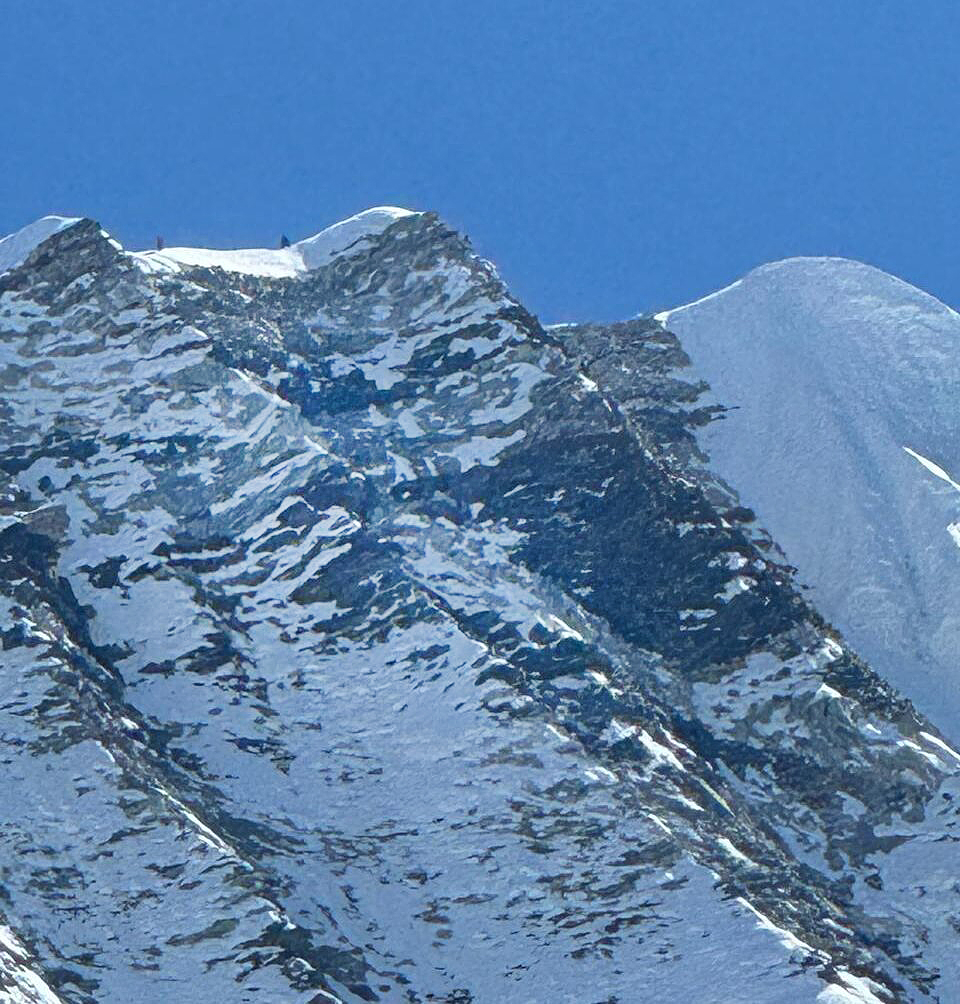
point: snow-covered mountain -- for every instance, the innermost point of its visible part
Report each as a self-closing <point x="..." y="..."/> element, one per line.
<point x="843" y="428"/>
<point x="363" y="640"/>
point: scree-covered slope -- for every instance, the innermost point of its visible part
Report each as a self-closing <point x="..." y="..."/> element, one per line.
<point x="364" y="641"/>
<point x="843" y="434"/>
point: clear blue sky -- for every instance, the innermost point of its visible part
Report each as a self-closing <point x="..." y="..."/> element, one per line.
<point x="611" y="157"/>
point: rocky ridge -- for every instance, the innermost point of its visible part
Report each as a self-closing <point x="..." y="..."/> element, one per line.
<point x="366" y="640"/>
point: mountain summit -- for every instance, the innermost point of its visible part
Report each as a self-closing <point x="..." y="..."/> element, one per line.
<point x="840" y="384"/>
<point x="363" y="640"/>
<point x="285" y="262"/>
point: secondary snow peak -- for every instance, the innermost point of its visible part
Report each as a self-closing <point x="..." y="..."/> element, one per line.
<point x="326" y="245"/>
<point x="827" y="367"/>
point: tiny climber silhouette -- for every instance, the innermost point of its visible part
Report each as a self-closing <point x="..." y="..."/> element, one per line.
<point x="284" y="241"/>
<point x="159" y="243"/>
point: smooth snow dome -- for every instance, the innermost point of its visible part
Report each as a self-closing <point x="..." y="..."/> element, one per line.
<point x="313" y="252"/>
<point x="844" y="437"/>
<point x="15" y="248"/>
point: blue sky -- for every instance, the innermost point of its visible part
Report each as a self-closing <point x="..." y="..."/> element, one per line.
<point x="610" y="157"/>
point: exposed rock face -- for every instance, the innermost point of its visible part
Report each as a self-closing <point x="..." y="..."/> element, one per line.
<point x="363" y="640"/>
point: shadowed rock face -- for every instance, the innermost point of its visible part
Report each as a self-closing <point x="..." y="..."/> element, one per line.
<point x="365" y="641"/>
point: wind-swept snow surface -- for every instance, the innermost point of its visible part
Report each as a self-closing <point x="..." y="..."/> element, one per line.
<point x="843" y="434"/>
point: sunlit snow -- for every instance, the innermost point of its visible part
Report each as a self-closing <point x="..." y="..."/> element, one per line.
<point x="832" y="371"/>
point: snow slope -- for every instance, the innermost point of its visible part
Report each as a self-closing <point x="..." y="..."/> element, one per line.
<point x="844" y="437"/>
<point x="279" y="263"/>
